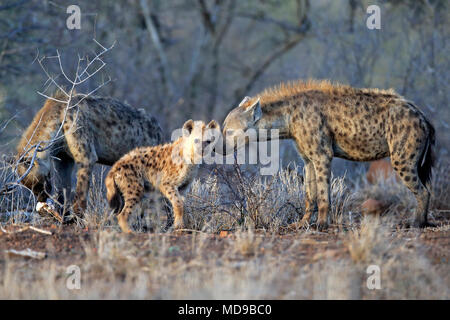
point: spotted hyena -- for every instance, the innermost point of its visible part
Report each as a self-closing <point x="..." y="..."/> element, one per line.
<point x="327" y="121"/>
<point x="168" y="168"/>
<point x="97" y="130"/>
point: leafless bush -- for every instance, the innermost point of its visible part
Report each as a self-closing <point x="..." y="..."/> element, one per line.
<point x="231" y="198"/>
<point x="16" y="205"/>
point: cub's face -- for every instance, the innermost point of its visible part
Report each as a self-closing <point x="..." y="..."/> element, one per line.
<point x="198" y="138"/>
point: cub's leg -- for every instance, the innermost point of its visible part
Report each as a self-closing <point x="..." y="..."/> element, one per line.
<point x="172" y="194"/>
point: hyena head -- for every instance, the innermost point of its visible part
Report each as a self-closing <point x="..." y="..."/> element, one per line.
<point x="240" y="120"/>
<point x="37" y="179"/>
<point x="197" y="138"/>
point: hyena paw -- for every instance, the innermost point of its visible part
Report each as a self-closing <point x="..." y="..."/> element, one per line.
<point x="126" y="230"/>
<point x="123" y="224"/>
<point x="294" y="226"/>
<point x="322" y="225"/>
<point x="78" y="207"/>
<point x="178" y="225"/>
<point x="304" y="223"/>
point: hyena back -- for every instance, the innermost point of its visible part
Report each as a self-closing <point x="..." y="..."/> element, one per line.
<point x="97" y="130"/>
<point x="168" y="168"/>
<point x="327" y="121"/>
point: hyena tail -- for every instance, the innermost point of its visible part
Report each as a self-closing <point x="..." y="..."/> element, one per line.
<point x="426" y="161"/>
<point x="113" y="194"/>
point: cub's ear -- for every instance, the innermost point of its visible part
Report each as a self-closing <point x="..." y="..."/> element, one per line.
<point x="255" y="110"/>
<point x="188" y="126"/>
<point x="212" y="125"/>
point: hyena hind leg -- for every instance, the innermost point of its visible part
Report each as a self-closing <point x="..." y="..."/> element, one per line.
<point x="323" y="173"/>
<point x="408" y="173"/>
<point x="131" y="199"/>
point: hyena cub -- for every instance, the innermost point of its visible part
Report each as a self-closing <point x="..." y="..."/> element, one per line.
<point x="169" y="168"/>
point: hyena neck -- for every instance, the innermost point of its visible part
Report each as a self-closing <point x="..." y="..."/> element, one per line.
<point x="275" y="117"/>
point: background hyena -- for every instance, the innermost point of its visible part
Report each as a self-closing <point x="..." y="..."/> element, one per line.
<point x="168" y="168"/>
<point x="327" y="121"/>
<point x="98" y="130"/>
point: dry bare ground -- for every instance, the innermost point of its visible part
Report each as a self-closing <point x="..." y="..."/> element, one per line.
<point x="237" y="245"/>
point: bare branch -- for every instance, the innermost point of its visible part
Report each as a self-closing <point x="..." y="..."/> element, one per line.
<point x="158" y="45"/>
<point x="282" y="24"/>
<point x="207" y="18"/>
<point x="263" y="67"/>
<point x="41" y="146"/>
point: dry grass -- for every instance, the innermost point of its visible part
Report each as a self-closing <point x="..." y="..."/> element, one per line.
<point x="255" y="259"/>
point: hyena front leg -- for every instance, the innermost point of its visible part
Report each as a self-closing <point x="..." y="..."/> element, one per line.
<point x="172" y="194"/>
<point x="62" y="179"/>
<point x="322" y="168"/>
<point x="319" y="151"/>
<point x="310" y="192"/>
<point x="80" y="144"/>
<point x="81" y="192"/>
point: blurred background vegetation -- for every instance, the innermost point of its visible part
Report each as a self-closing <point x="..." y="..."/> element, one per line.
<point x="197" y="59"/>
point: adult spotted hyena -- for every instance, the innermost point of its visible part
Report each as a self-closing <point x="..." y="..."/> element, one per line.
<point x="327" y="121"/>
<point x="168" y="168"/>
<point x="97" y="130"/>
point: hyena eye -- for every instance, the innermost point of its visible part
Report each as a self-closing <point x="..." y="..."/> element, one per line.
<point x="196" y="140"/>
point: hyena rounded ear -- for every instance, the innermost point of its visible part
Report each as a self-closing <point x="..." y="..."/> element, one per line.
<point x="255" y="110"/>
<point x="188" y="126"/>
<point x="212" y="125"/>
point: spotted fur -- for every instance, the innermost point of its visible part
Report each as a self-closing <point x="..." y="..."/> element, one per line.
<point x="98" y="130"/>
<point x="331" y="120"/>
<point x="168" y="168"/>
